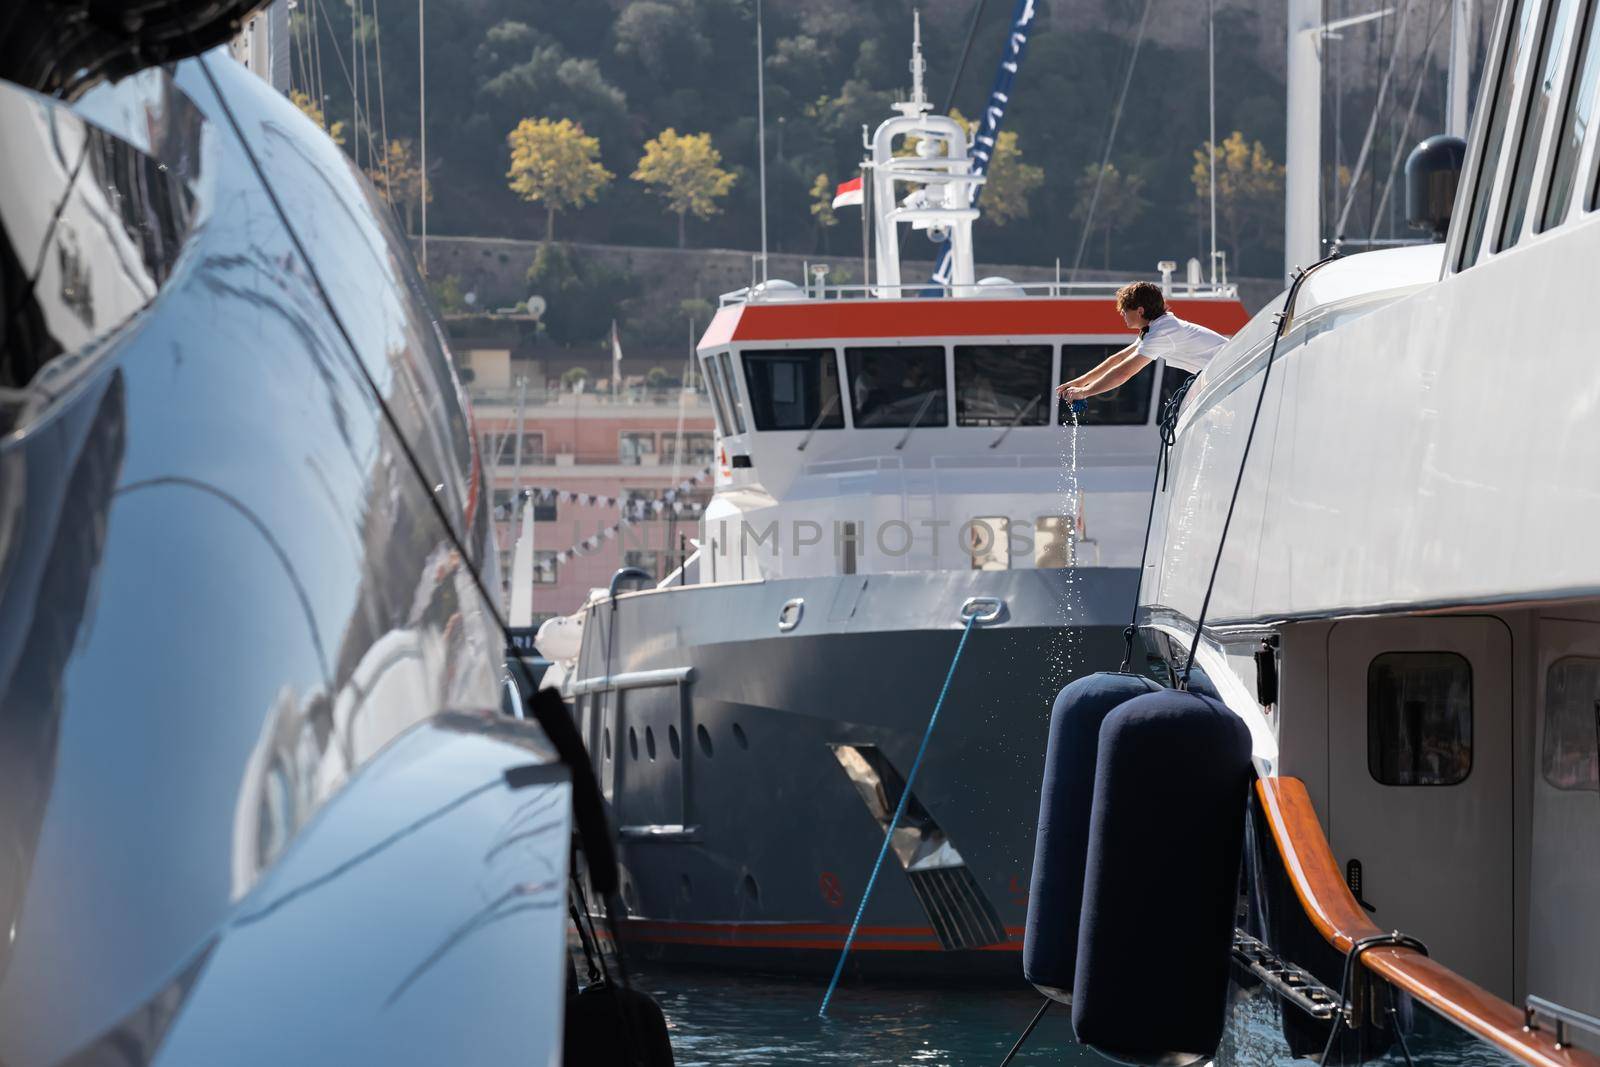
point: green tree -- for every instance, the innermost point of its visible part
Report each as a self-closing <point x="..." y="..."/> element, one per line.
<point x="582" y="295"/>
<point x="1120" y="202"/>
<point x="572" y="376"/>
<point x="1005" y="194"/>
<point x="822" y="191"/>
<point x="685" y="171"/>
<point x="309" y="107"/>
<point x="1249" y="191"/>
<point x="398" y="178"/>
<point x="555" y="164"/>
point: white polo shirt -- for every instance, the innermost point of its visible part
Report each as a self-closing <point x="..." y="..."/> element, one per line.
<point x="1184" y="345"/>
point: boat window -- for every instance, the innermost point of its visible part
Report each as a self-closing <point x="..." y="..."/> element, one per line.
<point x="897" y="386"/>
<point x="1003" y="385"/>
<point x="988" y="543"/>
<point x="719" y="408"/>
<point x="1419" y="718"/>
<point x="735" y="405"/>
<point x="1546" y="71"/>
<point x="1126" y="405"/>
<point x="1571" y="750"/>
<point x="1494" y="139"/>
<point x="1172" y="379"/>
<point x="793" y="389"/>
<point x="1574" y="123"/>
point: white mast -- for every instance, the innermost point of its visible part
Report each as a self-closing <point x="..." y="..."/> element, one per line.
<point x="761" y="136"/>
<point x="940" y="178"/>
<point x="1455" y="108"/>
<point x="1302" y="217"/>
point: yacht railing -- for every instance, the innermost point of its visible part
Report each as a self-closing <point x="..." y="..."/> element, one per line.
<point x="995" y="291"/>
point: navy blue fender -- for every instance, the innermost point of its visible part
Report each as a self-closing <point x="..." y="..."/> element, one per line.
<point x="1061" y="843"/>
<point x="1161" y="883"/>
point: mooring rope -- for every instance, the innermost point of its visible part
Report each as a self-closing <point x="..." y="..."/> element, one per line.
<point x="899" y="811"/>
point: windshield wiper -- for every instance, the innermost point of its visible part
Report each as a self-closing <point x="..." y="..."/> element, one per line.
<point x="1012" y="425"/>
<point x="826" y="410"/>
<point x="926" y="400"/>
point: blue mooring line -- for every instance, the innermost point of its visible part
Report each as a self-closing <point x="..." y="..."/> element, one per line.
<point x="899" y="810"/>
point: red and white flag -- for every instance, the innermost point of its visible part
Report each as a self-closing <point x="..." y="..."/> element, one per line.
<point x="848" y="193"/>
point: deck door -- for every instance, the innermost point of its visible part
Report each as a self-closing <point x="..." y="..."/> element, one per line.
<point x="1563" y="920"/>
<point x="1420" y="787"/>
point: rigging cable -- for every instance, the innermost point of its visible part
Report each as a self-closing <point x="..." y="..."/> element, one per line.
<point x="1105" y="158"/>
<point x="1411" y="114"/>
<point x="966" y="50"/>
<point x="383" y="110"/>
<point x="899" y="810"/>
<point x="1285" y="321"/>
<point x="1372" y="124"/>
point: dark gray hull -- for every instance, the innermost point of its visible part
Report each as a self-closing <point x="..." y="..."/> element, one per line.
<point x="746" y="843"/>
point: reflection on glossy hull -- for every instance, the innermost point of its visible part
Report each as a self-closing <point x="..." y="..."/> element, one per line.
<point x="254" y="803"/>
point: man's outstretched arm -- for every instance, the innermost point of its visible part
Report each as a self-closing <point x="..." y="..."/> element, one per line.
<point x="1104" y="367"/>
<point x="1106" y="378"/>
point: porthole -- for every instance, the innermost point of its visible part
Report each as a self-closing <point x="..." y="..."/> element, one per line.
<point x="738" y="735"/>
<point x="650" y="743"/>
<point x="673" y="743"/>
<point x="633" y="742"/>
<point x="704" y="737"/>
<point x="685" y="887"/>
<point x="750" y="889"/>
<point x="607" y="742"/>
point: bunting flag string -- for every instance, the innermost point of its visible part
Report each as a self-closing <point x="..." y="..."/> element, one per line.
<point x="634" y="510"/>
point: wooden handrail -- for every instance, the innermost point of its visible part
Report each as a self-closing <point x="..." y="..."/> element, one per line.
<point x="1338" y="917"/>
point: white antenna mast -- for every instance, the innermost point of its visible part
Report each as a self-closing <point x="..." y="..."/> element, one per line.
<point x="918" y="104"/>
<point x="761" y="136"/>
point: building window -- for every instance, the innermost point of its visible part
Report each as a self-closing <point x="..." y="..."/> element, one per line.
<point x="1419" y="718"/>
<point x="1126" y="405"/>
<point x="547" y="574"/>
<point x="505" y="509"/>
<point x="500" y="449"/>
<point x="988" y="543"/>
<point x="1003" y="385"/>
<point x="636" y="449"/>
<point x="1494" y="139"/>
<point x="793" y="389"/>
<point x="1545" y="73"/>
<point x="697" y="448"/>
<point x="898" y="386"/>
<point x="1571" y="750"/>
<point x="1575" y="123"/>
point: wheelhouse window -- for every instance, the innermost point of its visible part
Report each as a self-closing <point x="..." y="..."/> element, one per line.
<point x="1575" y="122"/>
<point x="719" y="406"/>
<point x="1419" y="718"/>
<point x="1546" y="71"/>
<point x="897" y="386"/>
<point x="1003" y="385"/>
<point x="735" y="405"/>
<point x="1126" y="405"/>
<point x="793" y="389"/>
<point x="1495" y="135"/>
<point x="1571" y="749"/>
